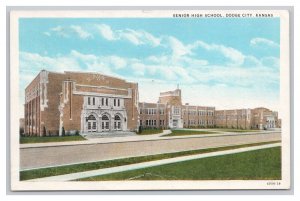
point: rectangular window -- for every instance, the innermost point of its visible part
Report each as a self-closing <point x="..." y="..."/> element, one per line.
<point x="118" y="102"/>
<point x="89" y="100"/>
<point x="106" y="101"/>
<point x="114" y="102"/>
<point x="102" y="101"/>
<point x="141" y="111"/>
<point x="146" y="122"/>
<point x="154" y="122"/>
<point x="93" y="101"/>
<point x="141" y="122"/>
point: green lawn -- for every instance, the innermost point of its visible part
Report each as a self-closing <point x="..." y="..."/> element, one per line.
<point x="236" y="130"/>
<point x="53" y="171"/>
<point x="150" y="131"/>
<point x="188" y="132"/>
<point x="264" y="164"/>
<point x="25" y="140"/>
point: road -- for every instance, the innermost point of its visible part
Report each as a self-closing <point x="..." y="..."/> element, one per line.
<point x="37" y="157"/>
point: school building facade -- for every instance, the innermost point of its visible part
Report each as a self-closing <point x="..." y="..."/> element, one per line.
<point x="80" y="102"/>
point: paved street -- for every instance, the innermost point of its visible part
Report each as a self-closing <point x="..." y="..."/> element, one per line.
<point x="36" y="157"/>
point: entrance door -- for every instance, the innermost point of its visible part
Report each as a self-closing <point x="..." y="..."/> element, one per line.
<point x="105" y="123"/>
<point x="175" y="123"/>
<point x="92" y="124"/>
<point x="117" y="123"/>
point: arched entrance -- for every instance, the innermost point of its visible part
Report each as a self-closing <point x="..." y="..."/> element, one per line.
<point x="91" y="124"/>
<point x="105" y="123"/>
<point x="117" y="123"/>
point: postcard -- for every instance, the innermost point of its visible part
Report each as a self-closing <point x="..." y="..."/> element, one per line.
<point x="149" y="99"/>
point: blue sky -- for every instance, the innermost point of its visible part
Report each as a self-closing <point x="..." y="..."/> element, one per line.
<point x="227" y="63"/>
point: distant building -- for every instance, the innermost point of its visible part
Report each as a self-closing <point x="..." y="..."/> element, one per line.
<point x="91" y="102"/>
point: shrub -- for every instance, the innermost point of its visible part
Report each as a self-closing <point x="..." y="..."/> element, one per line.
<point x="63" y="132"/>
<point x="77" y="132"/>
<point x="140" y="129"/>
<point x="22" y="131"/>
<point x="44" y="131"/>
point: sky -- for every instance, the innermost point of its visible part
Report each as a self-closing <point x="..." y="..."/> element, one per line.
<point x="222" y="62"/>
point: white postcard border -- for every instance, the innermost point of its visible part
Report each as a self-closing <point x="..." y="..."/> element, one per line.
<point x="17" y="185"/>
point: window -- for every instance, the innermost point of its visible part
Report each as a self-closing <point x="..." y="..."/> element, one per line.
<point x="106" y="101"/>
<point x="114" y="102"/>
<point x="93" y="101"/>
<point x="91" y="117"/>
<point x="141" y="111"/>
<point x="118" y="102"/>
<point x="102" y="101"/>
<point x="154" y="122"/>
<point x="141" y="122"/>
<point x="104" y="117"/>
<point x="89" y="100"/>
<point x="176" y="110"/>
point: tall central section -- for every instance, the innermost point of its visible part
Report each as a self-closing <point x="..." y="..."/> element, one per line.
<point x="173" y="101"/>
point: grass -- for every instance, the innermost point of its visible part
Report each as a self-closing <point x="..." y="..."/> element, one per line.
<point x="187" y="132"/>
<point x="236" y="130"/>
<point x="26" y="140"/>
<point x="264" y="164"/>
<point x="150" y="131"/>
<point x="53" y="171"/>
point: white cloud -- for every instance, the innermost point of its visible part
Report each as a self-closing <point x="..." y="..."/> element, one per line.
<point x="81" y="32"/>
<point x="68" y="31"/>
<point x="272" y="62"/>
<point x="106" y="32"/>
<point x="136" y="37"/>
<point x="263" y="42"/>
<point x="178" y="48"/>
<point x="61" y="31"/>
<point x="47" y="33"/>
<point x="235" y="56"/>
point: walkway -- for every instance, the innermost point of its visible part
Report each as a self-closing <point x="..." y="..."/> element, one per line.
<point x="136" y="138"/>
<point x="80" y="175"/>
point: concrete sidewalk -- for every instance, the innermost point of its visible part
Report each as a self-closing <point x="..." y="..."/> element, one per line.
<point x="80" y="175"/>
<point x="105" y="140"/>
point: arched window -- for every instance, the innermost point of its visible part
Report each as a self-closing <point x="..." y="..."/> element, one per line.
<point x="104" y="117"/>
<point x="117" y="123"/>
<point x="91" y="117"/>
